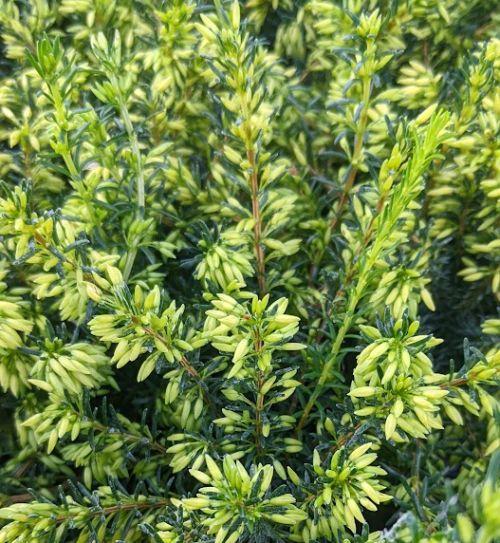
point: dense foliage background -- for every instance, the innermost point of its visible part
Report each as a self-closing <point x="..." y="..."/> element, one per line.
<point x="249" y="271"/>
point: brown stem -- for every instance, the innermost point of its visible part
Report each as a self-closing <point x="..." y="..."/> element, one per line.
<point x="257" y="227"/>
<point x="184" y="362"/>
<point x="456" y="382"/>
<point x="345" y="193"/>
<point x="356" y="155"/>
<point x="342" y="440"/>
<point x="23" y="468"/>
<point x="353" y="171"/>
<point x="119" y="507"/>
<point x="18" y="498"/>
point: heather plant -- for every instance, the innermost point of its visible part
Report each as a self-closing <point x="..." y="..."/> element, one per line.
<point x="249" y="271"/>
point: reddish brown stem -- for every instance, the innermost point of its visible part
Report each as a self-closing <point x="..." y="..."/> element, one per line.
<point x="257" y="227"/>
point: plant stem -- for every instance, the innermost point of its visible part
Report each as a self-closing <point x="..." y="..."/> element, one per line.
<point x="131" y="437"/>
<point x="351" y="270"/>
<point x="61" y="120"/>
<point x="357" y="152"/>
<point x="403" y="193"/>
<point x="259" y="404"/>
<point x="184" y="362"/>
<point x="134" y="143"/>
<point x="257" y="228"/>
<point x="343" y="330"/>
<point x="118" y="507"/>
<point x="353" y="167"/>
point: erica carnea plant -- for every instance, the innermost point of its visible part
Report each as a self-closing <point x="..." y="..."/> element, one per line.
<point x="249" y="271"/>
